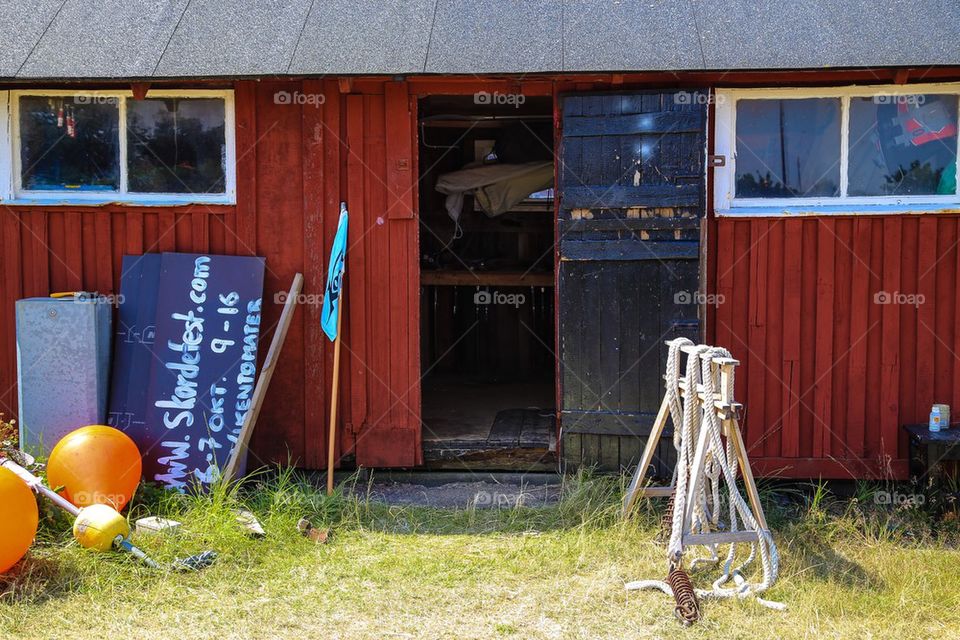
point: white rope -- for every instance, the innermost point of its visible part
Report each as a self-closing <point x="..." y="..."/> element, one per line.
<point x="690" y="417"/>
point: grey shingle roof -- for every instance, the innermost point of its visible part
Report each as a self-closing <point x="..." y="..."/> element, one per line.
<point x="184" y="38"/>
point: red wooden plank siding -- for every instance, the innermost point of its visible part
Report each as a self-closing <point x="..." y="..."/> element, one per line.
<point x="909" y="405"/>
<point x="888" y="426"/>
<point x="956" y="331"/>
<point x="756" y="284"/>
<point x="773" y="348"/>
<point x="72" y="251"/>
<point x="860" y="297"/>
<point x="828" y="375"/>
<point x="314" y="140"/>
<point x="823" y="338"/>
<point x="741" y="312"/>
<point x="385" y="360"/>
<point x="399" y="212"/>
<point x="57" y="240"/>
<point x="841" y="338"/>
<point x="724" y="282"/>
<point x="808" y="328"/>
<point x="871" y="412"/>
<point x="353" y="398"/>
<point x="167" y="241"/>
<point x="838" y="296"/>
<point x="247" y="138"/>
<point x="790" y="366"/>
<point x="12" y="290"/>
<point x="334" y="150"/>
<point x="279" y="233"/>
<point x="944" y="354"/>
<point x="926" y="318"/>
<point x="291" y="168"/>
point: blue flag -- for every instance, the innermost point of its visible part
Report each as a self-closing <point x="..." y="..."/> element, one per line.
<point x="335" y="270"/>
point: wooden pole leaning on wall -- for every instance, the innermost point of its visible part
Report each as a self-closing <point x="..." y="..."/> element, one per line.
<point x="263" y="381"/>
<point x="637" y="488"/>
<point x="331" y="446"/>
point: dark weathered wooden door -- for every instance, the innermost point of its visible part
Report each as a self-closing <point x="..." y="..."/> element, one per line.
<point x="631" y="201"/>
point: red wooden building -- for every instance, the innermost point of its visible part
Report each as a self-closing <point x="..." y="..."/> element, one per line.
<point x="799" y="208"/>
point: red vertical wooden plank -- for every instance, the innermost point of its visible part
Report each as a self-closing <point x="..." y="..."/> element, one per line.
<point x="400" y="179"/>
<point x="861" y="299"/>
<point x="726" y="261"/>
<point x="216" y="231"/>
<point x="790" y="365"/>
<point x="843" y="260"/>
<point x="118" y="240"/>
<point x="357" y="174"/>
<point x="56" y="247"/>
<point x="373" y="333"/>
<point x="167" y="240"/>
<point x="413" y="287"/>
<point x="201" y="232"/>
<point x="88" y="242"/>
<point x="872" y="408"/>
<point x="334" y="192"/>
<point x="774" y="408"/>
<point x="12" y="291"/>
<point x="383" y="396"/>
<point x="944" y="355"/>
<point x="889" y="396"/>
<point x="909" y="272"/>
<point x="956" y="344"/>
<point x="403" y="229"/>
<point x="247" y="140"/>
<point x="38" y="275"/>
<point x="808" y="336"/>
<point x="134" y="231"/>
<point x="183" y="232"/>
<point x="731" y="317"/>
<point x="926" y="312"/>
<point x="151" y="232"/>
<point x="314" y="140"/>
<point x="823" y="351"/>
<point x="741" y="347"/>
<point x="72" y="251"/>
<point x="279" y="234"/>
<point x="229" y="223"/>
<point x="757" y="333"/>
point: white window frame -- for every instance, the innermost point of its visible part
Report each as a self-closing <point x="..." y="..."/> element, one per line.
<point x="724" y="178"/>
<point x="12" y="193"/>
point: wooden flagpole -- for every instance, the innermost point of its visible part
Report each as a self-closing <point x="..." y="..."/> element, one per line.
<point x="331" y="446"/>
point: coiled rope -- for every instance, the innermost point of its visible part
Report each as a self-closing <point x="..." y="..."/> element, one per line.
<point x="690" y="417"/>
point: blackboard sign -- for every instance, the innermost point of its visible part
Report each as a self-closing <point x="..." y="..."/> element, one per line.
<point x="185" y="360"/>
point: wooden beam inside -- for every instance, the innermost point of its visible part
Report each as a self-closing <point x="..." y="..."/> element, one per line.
<point x="486" y="278"/>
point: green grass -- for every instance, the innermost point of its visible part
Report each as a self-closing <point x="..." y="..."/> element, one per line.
<point x="848" y="571"/>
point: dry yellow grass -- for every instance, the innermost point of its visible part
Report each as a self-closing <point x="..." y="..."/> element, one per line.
<point x="556" y="572"/>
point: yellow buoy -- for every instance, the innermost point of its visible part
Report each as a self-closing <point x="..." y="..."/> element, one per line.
<point x="98" y="525"/>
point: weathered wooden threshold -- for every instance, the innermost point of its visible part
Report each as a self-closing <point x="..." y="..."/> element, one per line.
<point x="480" y="455"/>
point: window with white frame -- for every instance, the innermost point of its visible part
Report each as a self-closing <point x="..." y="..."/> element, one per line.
<point x="874" y="149"/>
<point x="106" y="146"/>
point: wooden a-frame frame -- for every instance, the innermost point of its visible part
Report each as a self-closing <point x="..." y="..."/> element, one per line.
<point x="724" y="404"/>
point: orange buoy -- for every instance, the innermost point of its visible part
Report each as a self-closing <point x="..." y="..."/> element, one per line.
<point x="18" y="519"/>
<point x="95" y="465"/>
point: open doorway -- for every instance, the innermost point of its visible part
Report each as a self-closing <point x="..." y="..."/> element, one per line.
<point x="487" y="282"/>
